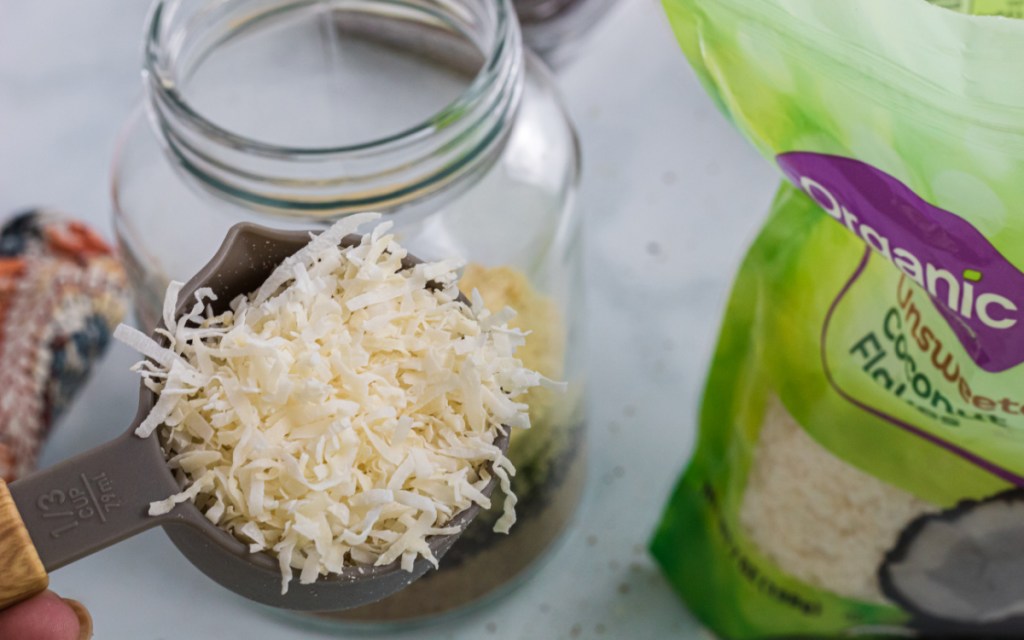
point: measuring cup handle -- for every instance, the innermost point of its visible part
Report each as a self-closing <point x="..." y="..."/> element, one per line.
<point x="21" y="571"/>
<point x="77" y="507"/>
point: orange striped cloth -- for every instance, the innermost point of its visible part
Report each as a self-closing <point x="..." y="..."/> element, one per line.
<point x="62" y="291"/>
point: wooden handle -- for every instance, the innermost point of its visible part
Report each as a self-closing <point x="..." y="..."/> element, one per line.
<point x="21" y="571"/>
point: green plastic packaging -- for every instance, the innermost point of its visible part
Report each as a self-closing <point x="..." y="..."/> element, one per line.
<point x="859" y="469"/>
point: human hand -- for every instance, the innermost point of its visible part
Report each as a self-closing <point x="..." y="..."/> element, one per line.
<point x="46" y="617"/>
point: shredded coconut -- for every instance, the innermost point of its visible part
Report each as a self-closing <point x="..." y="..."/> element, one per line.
<point x="342" y="413"/>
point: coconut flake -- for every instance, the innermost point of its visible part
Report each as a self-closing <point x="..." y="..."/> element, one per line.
<point x="343" y="412"/>
<point x="145" y="345"/>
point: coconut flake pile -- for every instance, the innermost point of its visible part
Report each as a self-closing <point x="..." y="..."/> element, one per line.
<point x="342" y="413"/>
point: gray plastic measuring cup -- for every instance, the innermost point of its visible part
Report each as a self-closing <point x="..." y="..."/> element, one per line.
<point x="54" y="517"/>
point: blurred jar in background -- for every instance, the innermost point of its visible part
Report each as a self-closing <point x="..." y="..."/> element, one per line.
<point x="293" y="113"/>
<point x="555" y="29"/>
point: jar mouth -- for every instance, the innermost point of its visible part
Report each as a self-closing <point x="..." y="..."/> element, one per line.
<point x="385" y="171"/>
<point x="163" y="82"/>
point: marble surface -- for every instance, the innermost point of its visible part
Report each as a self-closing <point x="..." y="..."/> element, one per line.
<point x="672" y="196"/>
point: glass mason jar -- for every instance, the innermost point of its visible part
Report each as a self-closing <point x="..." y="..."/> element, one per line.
<point x="293" y="113"/>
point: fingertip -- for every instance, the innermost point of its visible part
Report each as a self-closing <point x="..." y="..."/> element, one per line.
<point x="42" y="617"/>
<point x="84" y="618"/>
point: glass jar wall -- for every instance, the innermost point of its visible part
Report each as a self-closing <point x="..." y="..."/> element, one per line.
<point x="293" y="113"/>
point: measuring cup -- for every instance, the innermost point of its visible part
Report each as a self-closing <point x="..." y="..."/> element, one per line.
<point x="82" y="505"/>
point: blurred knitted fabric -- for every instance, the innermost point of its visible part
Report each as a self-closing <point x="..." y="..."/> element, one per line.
<point x="62" y="290"/>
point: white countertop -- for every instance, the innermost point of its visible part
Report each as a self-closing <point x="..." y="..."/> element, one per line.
<point x="672" y="196"/>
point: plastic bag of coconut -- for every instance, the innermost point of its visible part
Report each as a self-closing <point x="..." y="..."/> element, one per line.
<point x="860" y="464"/>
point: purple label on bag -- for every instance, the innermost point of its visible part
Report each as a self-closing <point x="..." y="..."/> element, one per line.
<point x="978" y="292"/>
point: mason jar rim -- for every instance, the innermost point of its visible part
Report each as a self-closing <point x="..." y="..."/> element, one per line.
<point x="433" y="160"/>
<point x="166" y="89"/>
